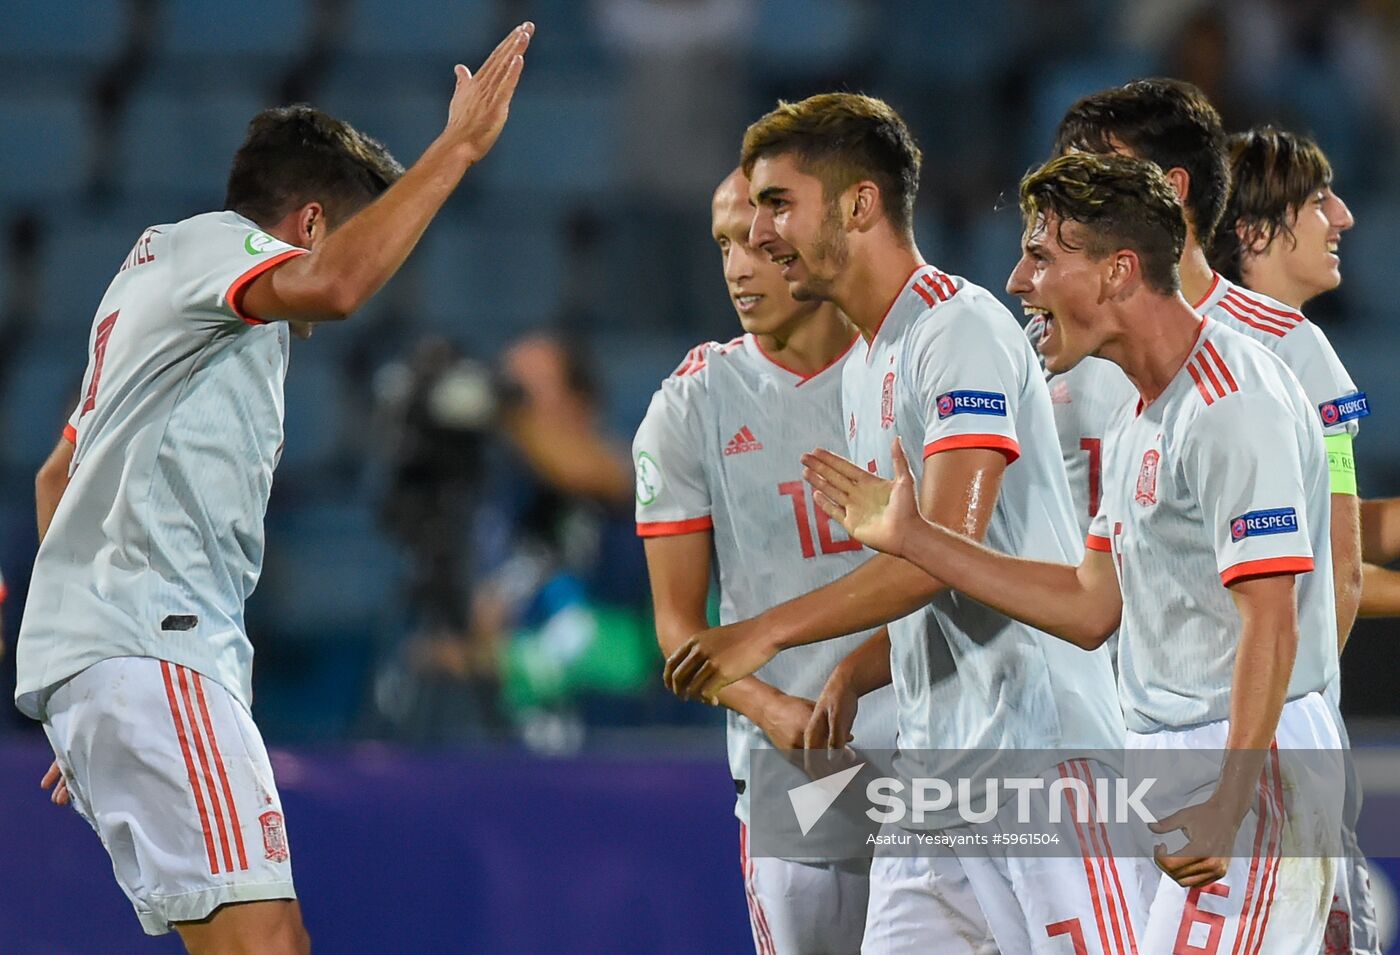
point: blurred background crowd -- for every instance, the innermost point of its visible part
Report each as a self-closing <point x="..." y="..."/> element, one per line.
<point x="450" y="543"/>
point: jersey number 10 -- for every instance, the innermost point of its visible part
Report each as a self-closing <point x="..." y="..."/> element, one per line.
<point x="798" y="492"/>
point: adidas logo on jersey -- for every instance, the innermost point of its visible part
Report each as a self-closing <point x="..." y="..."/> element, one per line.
<point x="742" y="441"/>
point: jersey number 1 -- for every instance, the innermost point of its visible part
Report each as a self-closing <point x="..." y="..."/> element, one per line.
<point x="798" y="492"/>
<point x="99" y="355"/>
<point x="1094" y="446"/>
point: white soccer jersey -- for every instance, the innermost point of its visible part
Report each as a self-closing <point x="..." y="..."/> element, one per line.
<point x="1304" y="348"/>
<point x="158" y="539"/>
<point x="720" y="450"/>
<point x="1222" y="477"/>
<point x="950" y="368"/>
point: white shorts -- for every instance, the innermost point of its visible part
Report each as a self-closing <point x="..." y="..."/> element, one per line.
<point x="1274" y="899"/>
<point x="975" y="899"/>
<point x="171" y="773"/>
<point x="804" y="908"/>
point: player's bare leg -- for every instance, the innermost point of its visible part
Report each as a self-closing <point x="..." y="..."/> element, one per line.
<point x="256" y="928"/>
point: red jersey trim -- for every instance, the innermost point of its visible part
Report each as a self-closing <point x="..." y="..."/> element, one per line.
<point x="1214" y="284"/>
<point x="70" y="434"/>
<point x="1200" y="330"/>
<point x="1101" y="544"/>
<point x="4" y="592"/>
<point x="991" y="442"/>
<point x="674" y="528"/>
<point x="802" y="377"/>
<point x="234" y="295"/>
<point x="1268" y="567"/>
<point x="875" y="332"/>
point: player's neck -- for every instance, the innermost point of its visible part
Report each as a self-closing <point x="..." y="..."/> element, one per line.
<point x="873" y="281"/>
<point x="817" y="341"/>
<point x="1196" y="274"/>
<point x="1262" y="277"/>
<point x="1157" y="338"/>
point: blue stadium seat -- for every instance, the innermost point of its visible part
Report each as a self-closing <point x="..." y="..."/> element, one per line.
<point x="805" y="37"/>
<point x="990" y="250"/>
<point x="462" y="31"/>
<point x="185" y="143"/>
<point x="314" y="420"/>
<point x="1368" y="256"/>
<point x="40" y="393"/>
<point x="490" y="282"/>
<point x="86" y="31"/>
<point x="923" y="46"/>
<point x="43" y="147"/>
<point x="253" y="31"/>
<point x="82" y="254"/>
<point x="329" y="572"/>
<point x="560" y="140"/>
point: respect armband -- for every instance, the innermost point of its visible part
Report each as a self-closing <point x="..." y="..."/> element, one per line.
<point x="1341" y="464"/>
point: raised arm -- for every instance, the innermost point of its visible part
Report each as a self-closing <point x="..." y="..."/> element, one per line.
<point x="356" y="259"/>
<point x="959" y="490"/>
<point x="680" y="585"/>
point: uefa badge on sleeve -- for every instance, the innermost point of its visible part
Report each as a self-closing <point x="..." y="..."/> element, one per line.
<point x="274" y="836"/>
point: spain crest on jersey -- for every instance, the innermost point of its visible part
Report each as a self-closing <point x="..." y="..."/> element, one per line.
<point x="887" y="401"/>
<point x="1146" y="493"/>
<point x="274" y="836"/>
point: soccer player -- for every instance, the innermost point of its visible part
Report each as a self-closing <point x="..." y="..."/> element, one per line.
<point x="718" y="458"/>
<point x="1172" y="124"/>
<point x="1279" y="236"/>
<point x="1213" y="519"/>
<point x="941" y="362"/>
<point x="132" y="651"/>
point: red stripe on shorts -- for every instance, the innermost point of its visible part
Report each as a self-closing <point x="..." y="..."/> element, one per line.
<point x="223" y="773"/>
<point x="1084" y="849"/>
<point x="205" y="763"/>
<point x="189" y="767"/>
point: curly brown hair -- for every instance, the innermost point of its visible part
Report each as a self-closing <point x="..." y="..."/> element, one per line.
<point x="1274" y="172"/>
<point x="844" y="138"/>
<point x="1123" y="202"/>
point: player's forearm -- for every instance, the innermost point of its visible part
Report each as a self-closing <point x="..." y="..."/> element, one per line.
<point x="748" y="696"/>
<point x="1380" y="592"/>
<point x="877" y="592"/>
<point x="1346" y="562"/>
<point x="1380" y="530"/>
<point x="1047" y="596"/>
<point x="49" y="485"/>
<point x="1263" y="664"/>
<point x="867" y="668"/>
<point x="356" y="259"/>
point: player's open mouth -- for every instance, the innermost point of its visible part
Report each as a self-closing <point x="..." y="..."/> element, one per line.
<point x="1047" y="323"/>
<point x="1332" y="246"/>
<point x="785" y="261"/>
<point x="747" y="303"/>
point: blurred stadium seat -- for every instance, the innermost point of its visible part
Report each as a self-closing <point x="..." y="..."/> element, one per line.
<point x="79" y="34"/>
<point x="43" y="147"/>
<point x="40" y="391"/>
<point x="462" y="31"/>
<point x="249" y="35"/>
<point x="183" y="144"/>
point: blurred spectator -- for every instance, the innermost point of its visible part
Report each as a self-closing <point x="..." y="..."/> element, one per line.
<point x="554" y="610"/>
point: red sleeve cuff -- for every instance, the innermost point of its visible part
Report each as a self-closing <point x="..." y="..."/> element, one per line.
<point x="4" y="592"/>
<point x="992" y="442"/>
<point x="673" y="528"/>
<point x="1269" y="567"/>
<point x="70" y="434"/>
<point x="1101" y="544"/>
<point x="234" y="295"/>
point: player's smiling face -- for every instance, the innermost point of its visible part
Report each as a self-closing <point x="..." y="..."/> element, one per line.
<point x="1061" y="287"/>
<point x="758" y="291"/>
<point x="1308" y="265"/>
<point x="797" y="227"/>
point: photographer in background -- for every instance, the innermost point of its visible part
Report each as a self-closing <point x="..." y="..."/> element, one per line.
<point x="514" y="506"/>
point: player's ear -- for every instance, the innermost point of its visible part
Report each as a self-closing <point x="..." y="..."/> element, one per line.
<point x="864" y="204"/>
<point x="1124" y="270"/>
<point x="1180" y="181"/>
<point x="311" y="218"/>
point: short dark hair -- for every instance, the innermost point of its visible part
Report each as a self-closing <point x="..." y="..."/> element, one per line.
<point x="1169" y="122"/>
<point x="844" y="138"/>
<point x="1123" y="203"/>
<point x="297" y="154"/>
<point x="1274" y="173"/>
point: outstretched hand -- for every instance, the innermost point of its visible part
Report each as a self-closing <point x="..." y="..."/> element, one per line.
<point x="54" y="780"/>
<point x="874" y="511"/>
<point x="481" y="102"/>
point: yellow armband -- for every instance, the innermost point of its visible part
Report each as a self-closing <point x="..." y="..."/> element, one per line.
<point x="1341" y="465"/>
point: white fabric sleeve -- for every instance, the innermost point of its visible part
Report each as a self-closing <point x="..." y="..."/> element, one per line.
<point x="1330" y="389"/>
<point x="970" y="374"/>
<point x="216" y="257"/>
<point x="1243" y="460"/>
<point x="1100" y="534"/>
<point x="673" y="496"/>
